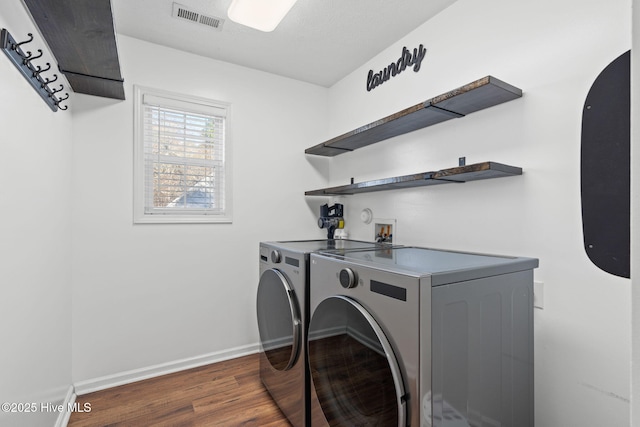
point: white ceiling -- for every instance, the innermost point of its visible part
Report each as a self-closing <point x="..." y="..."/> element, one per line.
<point x="319" y="41"/>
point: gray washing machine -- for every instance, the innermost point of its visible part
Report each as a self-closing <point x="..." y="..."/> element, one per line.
<point x="283" y="312"/>
<point x="413" y="336"/>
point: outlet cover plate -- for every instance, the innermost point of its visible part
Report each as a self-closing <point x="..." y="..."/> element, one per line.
<point x="538" y="294"/>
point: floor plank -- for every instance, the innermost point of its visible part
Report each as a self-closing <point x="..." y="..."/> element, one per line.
<point x="224" y="394"/>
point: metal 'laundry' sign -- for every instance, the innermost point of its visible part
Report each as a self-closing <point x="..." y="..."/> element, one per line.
<point x="407" y="59"/>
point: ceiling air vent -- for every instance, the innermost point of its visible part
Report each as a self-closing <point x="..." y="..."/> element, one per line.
<point x="185" y="13"/>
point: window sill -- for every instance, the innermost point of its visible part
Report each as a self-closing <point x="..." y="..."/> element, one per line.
<point x="182" y="219"/>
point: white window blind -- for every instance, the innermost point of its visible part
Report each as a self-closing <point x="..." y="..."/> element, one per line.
<point x="183" y="145"/>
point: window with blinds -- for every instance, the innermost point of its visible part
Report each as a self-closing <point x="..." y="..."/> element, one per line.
<point x="181" y="159"/>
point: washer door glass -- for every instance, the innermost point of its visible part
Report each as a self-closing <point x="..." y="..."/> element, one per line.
<point x="355" y="374"/>
<point x="278" y="320"/>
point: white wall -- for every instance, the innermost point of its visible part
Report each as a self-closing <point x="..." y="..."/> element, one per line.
<point x="635" y="219"/>
<point x="154" y="294"/>
<point x="35" y="238"/>
<point x="553" y="51"/>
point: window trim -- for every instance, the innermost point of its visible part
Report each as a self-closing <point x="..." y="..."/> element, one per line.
<point x="139" y="215"/>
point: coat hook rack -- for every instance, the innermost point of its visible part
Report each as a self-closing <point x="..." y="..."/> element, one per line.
<point x="32" y="72"/>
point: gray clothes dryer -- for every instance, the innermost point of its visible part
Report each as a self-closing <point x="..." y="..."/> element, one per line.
<point x="421" y="337"/>
<point x="282" y="305"/>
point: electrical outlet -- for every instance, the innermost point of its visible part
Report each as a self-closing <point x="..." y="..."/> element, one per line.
<point x="538" y="294"/>
<point x="383" y="230"/>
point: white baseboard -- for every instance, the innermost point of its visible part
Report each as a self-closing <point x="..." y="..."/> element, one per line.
<point x="64" y="415"/>
<point x="108" y="381"/>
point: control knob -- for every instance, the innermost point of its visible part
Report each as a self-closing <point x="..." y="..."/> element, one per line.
<point x="276" y="257"/>
<point x="348" y="278"/>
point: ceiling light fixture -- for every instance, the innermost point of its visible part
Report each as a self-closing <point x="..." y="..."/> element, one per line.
<point x="263" y="15"/>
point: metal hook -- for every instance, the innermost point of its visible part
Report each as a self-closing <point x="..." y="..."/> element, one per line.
<point x="47" y="81"/>
<point x="53" y="91"/>
<point x="15" y="45"/>
<point x="31" y="58"/>
<point x="41" y="70"/>
<point x="65" y="107"/>
<point x="27" y="56"/>
<point x="63" y="99"/>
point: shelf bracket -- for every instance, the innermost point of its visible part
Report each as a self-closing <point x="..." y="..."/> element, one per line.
<point x="445" y="111"/>
<point x="435" y="178"/>
<point x="90" y="76"/>
<point x="337" y="148"/>
<point x="448" y="180"/>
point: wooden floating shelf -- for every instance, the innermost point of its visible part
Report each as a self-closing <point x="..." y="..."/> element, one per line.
<point x="478" y="95"/>
<point x="460" y="174"/>
<point x="81" y="36"/>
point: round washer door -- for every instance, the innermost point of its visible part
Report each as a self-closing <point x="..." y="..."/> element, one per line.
<point x="354" y="371"/>
<point x="278" y="320"/>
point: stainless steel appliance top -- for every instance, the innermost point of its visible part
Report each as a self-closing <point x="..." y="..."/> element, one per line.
<point x="443" y="266"/>
<point x="337" y="245"/>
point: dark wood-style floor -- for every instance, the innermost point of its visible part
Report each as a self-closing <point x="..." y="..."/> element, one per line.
<point x="228" y="393"/>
